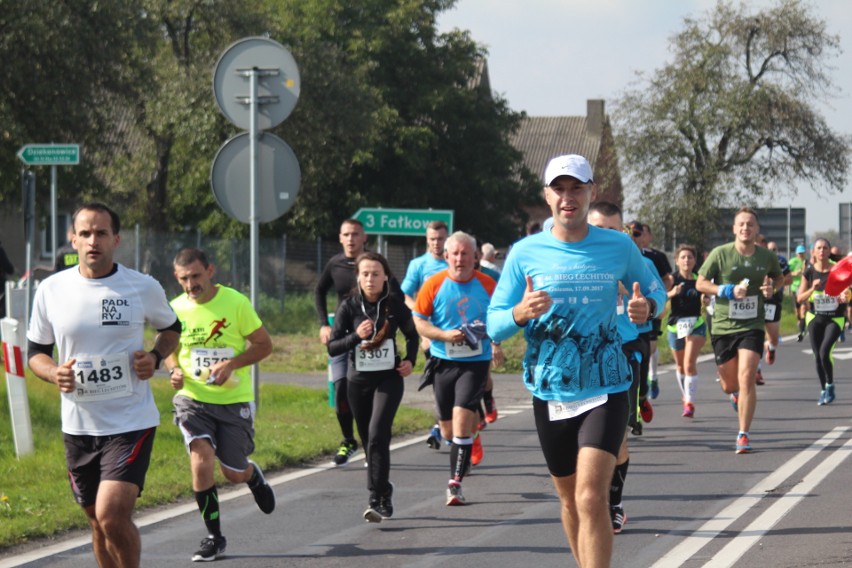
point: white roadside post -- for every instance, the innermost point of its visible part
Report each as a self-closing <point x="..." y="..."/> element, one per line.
<point x="13" y="336"/>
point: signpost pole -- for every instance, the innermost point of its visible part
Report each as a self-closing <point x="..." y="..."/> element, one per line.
<point x="53" y="237"/>
<point x="253" y="58"/>
<point x="29" y="182"/>
<point x="253" y="134"/>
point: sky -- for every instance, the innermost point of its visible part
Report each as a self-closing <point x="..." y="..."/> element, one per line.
<point x="548" y="57"/>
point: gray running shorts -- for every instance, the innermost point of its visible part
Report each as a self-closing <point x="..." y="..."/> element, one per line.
<point x="228" y="427"/>
<point x="339" y="367"/>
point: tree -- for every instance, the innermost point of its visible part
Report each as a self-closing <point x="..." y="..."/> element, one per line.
<point x="731" y="119"/>
<point x="62" y="61"/>
<point x="401" y="120"/>
<point x="391" y="113"/>
<point x="172" y="118"/>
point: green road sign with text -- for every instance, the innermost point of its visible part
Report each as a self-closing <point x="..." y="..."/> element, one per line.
<point x="404" y="222"/>
<point x="50" y="154"/>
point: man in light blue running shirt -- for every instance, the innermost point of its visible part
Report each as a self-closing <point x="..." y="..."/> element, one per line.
<point x="561" y="287"/>
<point x="419" y="270"/>
<point x="430" y="262"/>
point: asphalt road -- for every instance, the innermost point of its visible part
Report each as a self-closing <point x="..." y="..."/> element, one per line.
<point x="690" y="500"/>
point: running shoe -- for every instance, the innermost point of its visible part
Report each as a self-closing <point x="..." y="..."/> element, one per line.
<point x="770" y="355"/>
<point x="743" y="446"/>
<point x="735" y="399"/>
<point x="758" y="378"/>
<point x="264" y="496"/>
<point x="454" y="495"/>
<point x="654" y="388"/>
<point x="646" y="411"/>
<point x="372" y="514"/>
<point x="619" y="519"/>
<point x="829" y="393"/>
<point x="434" y="439"/>
<point x="821" y="399"/>
<point x="212" y="548"/>
<point x="688" y="410"/>
<point x="385" y="508"/>
<point x="800" y="337"/>
<point x="636" y="429"/>
<point x="476" y="452"/>
<point x="347" y="449"/>
<point x="491" y="416"/>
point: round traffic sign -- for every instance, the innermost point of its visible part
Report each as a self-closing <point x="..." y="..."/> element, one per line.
<point x="277" y="177"/>
<point x="278" y="77"/>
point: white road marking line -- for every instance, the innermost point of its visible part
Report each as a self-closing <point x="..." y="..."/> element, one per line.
<point x="224" y="496"/>
<point x="690" y="546"/>
<point x="176" y="511"/>
<point x="735" y="549"/>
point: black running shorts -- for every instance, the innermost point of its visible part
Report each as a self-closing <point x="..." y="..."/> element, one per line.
<point x="725" y="347"/>
<point x="772" y="311"/>
<point x="92" y="459"/>
<point x="459" y="383"/>
<point x="602" y="427"/>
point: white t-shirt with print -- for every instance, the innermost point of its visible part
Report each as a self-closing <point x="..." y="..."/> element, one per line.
<point x="100" y="322"/>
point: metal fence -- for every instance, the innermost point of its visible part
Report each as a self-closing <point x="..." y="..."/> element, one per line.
<point x="286" y="266"/>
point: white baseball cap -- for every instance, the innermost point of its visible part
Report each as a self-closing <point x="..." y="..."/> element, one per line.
<point x="572" y="165"/>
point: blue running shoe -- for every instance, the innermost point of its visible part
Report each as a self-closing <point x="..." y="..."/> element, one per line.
<point x="743" y="445"/>
<point x="735" y="399"/>
<point x="434" y="439"/>
<point x="654" y="388"/>
<point x="829" y="393"/>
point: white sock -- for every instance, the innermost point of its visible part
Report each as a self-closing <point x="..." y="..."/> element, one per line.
<point x="652" y="366"/>
<point x="680" y="382"/>
<point x="690" y="387"/>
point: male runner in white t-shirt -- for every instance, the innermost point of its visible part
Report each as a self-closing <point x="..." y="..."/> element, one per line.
<point x="95" y="316"/>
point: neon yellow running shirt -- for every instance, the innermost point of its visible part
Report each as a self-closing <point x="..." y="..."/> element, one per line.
<point x="211" y="332"/>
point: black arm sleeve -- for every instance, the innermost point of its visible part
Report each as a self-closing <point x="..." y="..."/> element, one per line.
<point x="324" y="284"/>
<point x="395" y="289"/>
<point x="176" y="327"/>
<point x="406" y="326"/>
<point x="412" y="340"/>
<point x="343" y="337"/>
<point x="34" y="348"/>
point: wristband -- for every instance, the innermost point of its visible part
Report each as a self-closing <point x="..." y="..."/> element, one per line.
<point x="158" y="358"/>
<point x="652" y="308"/>
<point x="725" y="291"/>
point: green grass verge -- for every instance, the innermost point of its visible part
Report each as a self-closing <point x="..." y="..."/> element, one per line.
<point x="294" y="425"/>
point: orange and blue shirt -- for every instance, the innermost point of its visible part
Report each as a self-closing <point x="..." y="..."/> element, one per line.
<point x="449" y="304"/>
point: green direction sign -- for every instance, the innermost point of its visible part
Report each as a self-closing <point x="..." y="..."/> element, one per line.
<point x="404" y="222"/>
<point x="50" y="154"/>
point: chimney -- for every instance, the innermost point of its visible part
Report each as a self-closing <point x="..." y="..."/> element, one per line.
<point x="594" y="117"/>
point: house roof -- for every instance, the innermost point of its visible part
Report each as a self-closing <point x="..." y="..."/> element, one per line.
<point x="543" y="137"/>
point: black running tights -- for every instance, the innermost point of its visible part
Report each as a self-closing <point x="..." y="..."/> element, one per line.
<point x="374" y="404"/>
<point x="824" y="333"/>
